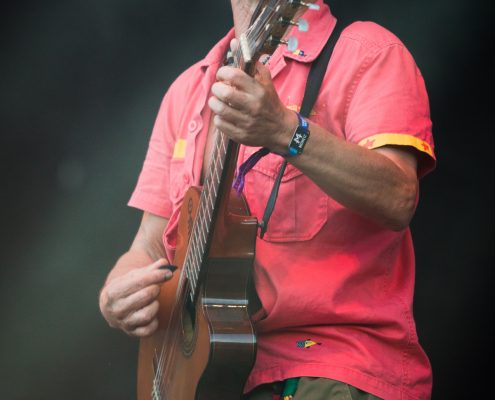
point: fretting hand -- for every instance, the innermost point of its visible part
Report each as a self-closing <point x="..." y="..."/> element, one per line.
<point x="248" y="109"/>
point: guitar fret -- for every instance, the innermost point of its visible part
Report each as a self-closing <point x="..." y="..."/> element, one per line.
<point x="196" y="266"/>
<point x="209" y="215"/>
<point x="189" y="268"/>
<point x="224" y="146"/>
<point x="192" y="272"/>
<point x="192" y="277"/>
<point x="212" y="203"/>
<point x="204" y="215"/>
<point x="196" y="254"/>
<point x="204" y="233"/>
<point x="207" y="188"/>
<point x="216" y="175"/>
<point x="192" y="283"/>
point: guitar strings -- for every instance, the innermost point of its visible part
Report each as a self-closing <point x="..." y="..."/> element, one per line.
<point x="190" y="271"/>
<point x="167" y="357"/>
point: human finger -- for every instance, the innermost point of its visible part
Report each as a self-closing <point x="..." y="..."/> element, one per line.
<point x="138" y="279"/>
<point x="236" y="133"/>
<point x="230" y="95"/>
<point x="142" y="298"/>
<point x="227" y="112"/>
<point x="141" y="317"/>
<point x="236" y="77"/>
<point x="144" y="331"/>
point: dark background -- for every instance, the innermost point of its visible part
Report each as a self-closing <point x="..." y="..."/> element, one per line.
<point x="81" y="82"/>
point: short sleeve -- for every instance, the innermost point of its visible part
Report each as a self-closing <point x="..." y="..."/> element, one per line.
<point x="390" y="105"/>
<point x="151" y="193"/>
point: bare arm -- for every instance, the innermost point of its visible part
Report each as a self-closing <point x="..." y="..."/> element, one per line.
<point x="128" y="299"/>
<point x="380" y="184"/>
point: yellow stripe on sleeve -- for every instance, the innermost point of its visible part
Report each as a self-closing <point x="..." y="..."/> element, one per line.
<point x="400" y="139"/>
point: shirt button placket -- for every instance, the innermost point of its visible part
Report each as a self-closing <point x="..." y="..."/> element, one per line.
<point x="193" y="128"/>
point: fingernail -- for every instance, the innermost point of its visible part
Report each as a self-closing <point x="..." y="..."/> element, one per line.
<point x="171" y="268"/>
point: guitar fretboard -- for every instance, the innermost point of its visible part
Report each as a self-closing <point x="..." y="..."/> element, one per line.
<point x="263" y="36"/>
<point x="203" y="223"/>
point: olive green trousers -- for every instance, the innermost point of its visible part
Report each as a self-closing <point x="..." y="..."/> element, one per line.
<point x="314" y="389"/>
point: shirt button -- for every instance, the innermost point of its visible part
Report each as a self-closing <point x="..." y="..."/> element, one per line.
<point x="192" y="125"/>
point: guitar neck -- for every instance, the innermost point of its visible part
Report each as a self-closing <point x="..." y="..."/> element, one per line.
<point x="265" y="34"/>
<point x="212" y="206"/>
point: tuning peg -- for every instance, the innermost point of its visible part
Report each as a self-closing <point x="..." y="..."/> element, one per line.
<point x="299" y="3"/>
<point x="301" y="24"/>
<point x="312" y="6"/>
<point x="291" y="43"/>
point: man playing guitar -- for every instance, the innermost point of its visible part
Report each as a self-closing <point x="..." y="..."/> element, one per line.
<point x="334" y="271"/>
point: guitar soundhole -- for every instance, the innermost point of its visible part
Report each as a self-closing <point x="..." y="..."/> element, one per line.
<point x="188" y="327"/>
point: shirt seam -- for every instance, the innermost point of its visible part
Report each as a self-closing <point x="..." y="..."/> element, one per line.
<point x="378" y="383"/>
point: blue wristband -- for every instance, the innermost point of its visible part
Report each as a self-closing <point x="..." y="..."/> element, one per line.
<point x="300" y="137"/>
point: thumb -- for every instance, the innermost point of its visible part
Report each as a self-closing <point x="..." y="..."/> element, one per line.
<point x="158" y="263"/>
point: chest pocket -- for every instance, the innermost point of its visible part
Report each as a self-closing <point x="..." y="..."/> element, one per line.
<point x="301" y="208"/>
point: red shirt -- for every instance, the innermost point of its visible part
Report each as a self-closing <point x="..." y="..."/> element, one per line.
<point x="336" y="288"/>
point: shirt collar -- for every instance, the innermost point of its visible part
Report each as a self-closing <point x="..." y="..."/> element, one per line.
<point x="321" y="24"/>
<point x="310" y="44"/>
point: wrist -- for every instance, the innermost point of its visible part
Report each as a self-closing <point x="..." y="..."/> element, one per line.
<point x="299" y="138"/>
<point x="289" y="124"/>
<point x="294" y="135"/>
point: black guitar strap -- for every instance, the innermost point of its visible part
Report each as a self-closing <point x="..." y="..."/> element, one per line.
<point x="313" y="84"/>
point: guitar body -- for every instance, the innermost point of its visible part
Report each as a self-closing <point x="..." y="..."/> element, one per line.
<point x="205" y="350"/>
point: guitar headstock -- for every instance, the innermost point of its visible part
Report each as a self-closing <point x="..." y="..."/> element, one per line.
<point x="270" y="28"/>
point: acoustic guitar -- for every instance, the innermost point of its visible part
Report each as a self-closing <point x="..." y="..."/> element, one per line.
<point x="205" y="346"/>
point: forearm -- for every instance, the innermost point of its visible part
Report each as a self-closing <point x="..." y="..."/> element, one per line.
<point x="146" y="248"/>
<point x="380" y="184"/>
<point x="366" y="181"/>
<point x="128" y="299"/>
<point x="132" y="259"/>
